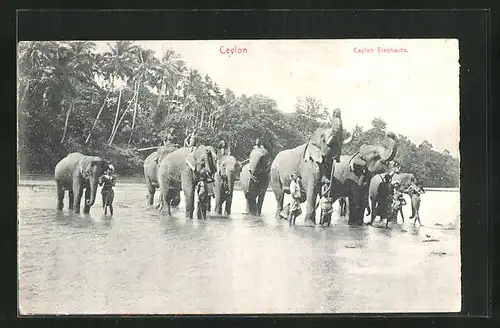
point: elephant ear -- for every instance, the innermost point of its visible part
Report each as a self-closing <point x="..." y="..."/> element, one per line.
<point x="86" y="164"/>
<point x="156" y="157"/>
<point x="191" y="161"/>
<point x="312" y="152"/>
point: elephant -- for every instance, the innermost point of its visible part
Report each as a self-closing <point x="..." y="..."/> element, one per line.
<point x="312" y="161"/>
<point x="410" y="186"/>
<point x="228" y="171"/>
<point x="74" y="173"/>
<point x="255" y="179"/>
<point x="374" y="159"/>
<point x="174" y="174"/>
<point x="150" y="165"/>
<point x="345" y="185"/>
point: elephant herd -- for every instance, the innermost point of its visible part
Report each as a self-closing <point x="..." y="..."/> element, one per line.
<point x="172" y="170"/>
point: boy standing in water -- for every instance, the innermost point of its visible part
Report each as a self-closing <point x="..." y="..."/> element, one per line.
<point x="326" y="204"/>
<point x="203" y="198"/>
<point x="398" y="201"/>
<point x="108" y="181"/>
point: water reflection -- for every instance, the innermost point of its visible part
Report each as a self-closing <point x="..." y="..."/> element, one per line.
<point x="139" y="261"/>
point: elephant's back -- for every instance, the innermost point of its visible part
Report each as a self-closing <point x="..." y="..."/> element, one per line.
<point x="288" y="160"/>
<point x="64" y="168"/>
<point x="171" y="165"/>
<point x="176" y="158"/>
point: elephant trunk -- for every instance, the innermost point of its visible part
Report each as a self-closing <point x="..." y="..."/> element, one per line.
<point x="230" y="182"/>
<point x="391" y="143"/>
<point x="93" y="189"/>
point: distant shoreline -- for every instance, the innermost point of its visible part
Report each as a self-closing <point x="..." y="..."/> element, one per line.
<point x="34" y="179"/>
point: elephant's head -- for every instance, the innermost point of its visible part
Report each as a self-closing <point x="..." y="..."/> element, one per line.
<point x="379" y="158"/>
<point x="229" y="169"/>
<point x="321" y="146"/>
<point x="258" y="162"/>
<point x="407" y="180"/>
<point x="204" y="159"/>
<point x="390" y="143"/>
<point x="91" y="169"/>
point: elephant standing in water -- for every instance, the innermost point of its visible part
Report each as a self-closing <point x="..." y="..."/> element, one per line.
<point x="312" y="161"/>
<point x="228" y="171"/>
<point x="174" y="174"/>
<point x="74" y="173"/>
<point x="374" y="159"/>
<point x="255" y="179"/>
<point x="151" y="164"/>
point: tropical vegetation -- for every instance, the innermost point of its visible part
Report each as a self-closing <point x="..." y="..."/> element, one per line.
<point x="74" y="98"/>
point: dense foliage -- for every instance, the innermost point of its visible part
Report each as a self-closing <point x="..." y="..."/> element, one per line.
<point x="72" y="98"/>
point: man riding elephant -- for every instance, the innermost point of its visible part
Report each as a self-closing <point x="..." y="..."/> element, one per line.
<point x="170" y="138"/>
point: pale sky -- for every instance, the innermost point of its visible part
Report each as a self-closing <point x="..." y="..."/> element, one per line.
<point x="416" y="93"/>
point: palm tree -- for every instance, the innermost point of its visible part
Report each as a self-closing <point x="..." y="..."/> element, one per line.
<point x="170" y="71"/>
<point x="118" y="69"/>
<point x="144" y="75"/>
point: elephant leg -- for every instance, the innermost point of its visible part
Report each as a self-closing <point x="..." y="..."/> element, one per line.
<point x="218" y="199"/>
<point x="86" y="208"/>
<point x="103" y="196"/>
<point x="279" y="193"/>
<point x="260" y="202"/>
<point x="189" y="197"/>
<point x="60" y="196"/>
<point x="198" y="211"/>
<point x="251" y="206"/>
<point x="356" y="207"/>
<point x="373" y="213"/>
<point x="247" y="202"/>
<point x="311" y="205"/>
<point x="151" y="194"/>
<point x="71" y="199"/>
<point x="229" y="203"/>
<point x="77" y="190"/>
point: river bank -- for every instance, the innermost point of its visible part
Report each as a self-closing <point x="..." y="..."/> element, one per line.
<point x="37" y="179"/>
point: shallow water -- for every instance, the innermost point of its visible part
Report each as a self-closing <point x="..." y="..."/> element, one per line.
<point x="140" y="262"/>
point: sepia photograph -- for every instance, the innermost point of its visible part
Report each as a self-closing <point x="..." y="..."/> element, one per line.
<point x="238" y="176"/>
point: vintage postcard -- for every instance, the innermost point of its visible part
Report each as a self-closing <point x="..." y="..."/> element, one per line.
<point x="239" y="176"/>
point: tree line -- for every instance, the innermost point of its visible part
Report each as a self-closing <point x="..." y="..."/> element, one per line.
<point x="73" y="98"/>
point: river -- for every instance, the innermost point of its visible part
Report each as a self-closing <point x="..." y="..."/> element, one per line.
<point x="141" y="262"/>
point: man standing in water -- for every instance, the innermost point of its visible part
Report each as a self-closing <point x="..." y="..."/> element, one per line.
<point x="295" y="192"/>
<point x="108" y="181"/>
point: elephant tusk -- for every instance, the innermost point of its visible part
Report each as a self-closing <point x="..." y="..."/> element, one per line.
<point x="329" y="141"/>
<point x="348" y="140"/>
